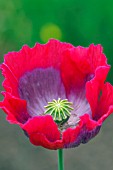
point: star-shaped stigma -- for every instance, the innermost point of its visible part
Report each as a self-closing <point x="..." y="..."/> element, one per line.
<point x="59" y="109"/>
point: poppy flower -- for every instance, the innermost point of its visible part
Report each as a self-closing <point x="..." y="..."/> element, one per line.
<point x="57" y="93"/>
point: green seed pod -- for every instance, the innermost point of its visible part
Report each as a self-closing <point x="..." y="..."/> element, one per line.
<point x="59" y="110"/>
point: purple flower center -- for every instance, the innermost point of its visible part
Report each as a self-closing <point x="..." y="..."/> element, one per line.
<point x="43" y="85"/>
<point x="39" y="87"/>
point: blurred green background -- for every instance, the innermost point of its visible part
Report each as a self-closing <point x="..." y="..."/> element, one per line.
<point x="80" y="22"/>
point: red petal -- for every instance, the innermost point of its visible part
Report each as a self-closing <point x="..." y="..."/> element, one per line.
<point x="10" y="83"/>
<point x="104" y="117"/>
<point x="42" y="130"/>
<point x="15" y="109"/>
<point x="80" y="62"/>
<point x="105" y="104"/>
<point x="96" y="56"/>
<point x="41" y="140"/>
<point x="82" y="133"/>
<point x="27" y="59"/>
<point x="94" y="86"/>
<point x="88" y="59"/>
<point x="71" y="75"/>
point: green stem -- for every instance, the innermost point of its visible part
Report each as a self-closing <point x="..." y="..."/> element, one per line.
<point x="60" y="160"/>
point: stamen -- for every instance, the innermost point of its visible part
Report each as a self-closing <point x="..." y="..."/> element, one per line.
<point x="59" y="109"/>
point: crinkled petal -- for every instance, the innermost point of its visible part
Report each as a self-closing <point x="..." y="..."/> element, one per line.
<point x="82" y="133"/>
<point x="79" y="65"/>
<point x="88" y="59"/>
<point x="41" y="140"/>
<point x="94" y="86"/>
<point x="15" y="109"/>
<point x="105" y="103"/>
<point x="17" y="64"/>
<point x="43" y="131"/>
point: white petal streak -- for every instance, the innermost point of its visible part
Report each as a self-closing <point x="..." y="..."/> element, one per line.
<point x="80" y="103"/>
